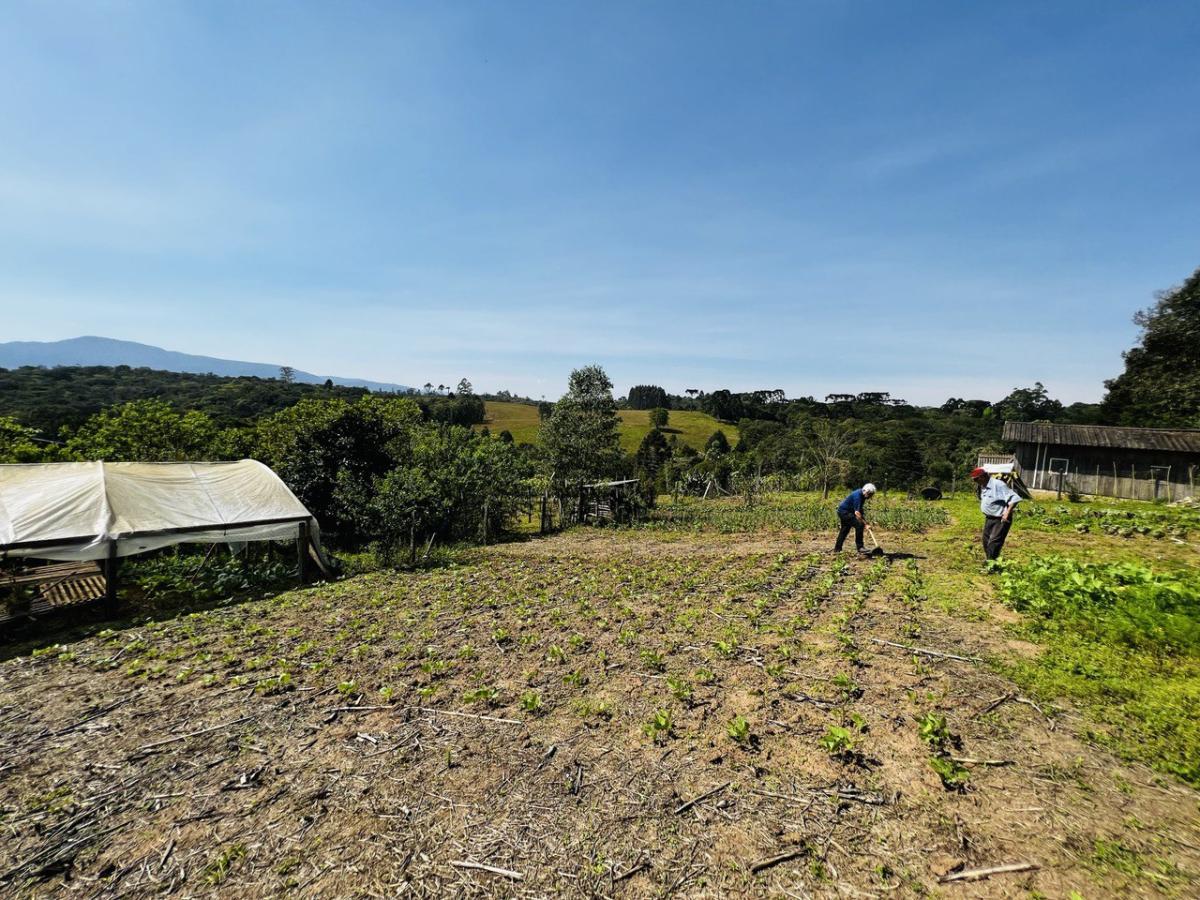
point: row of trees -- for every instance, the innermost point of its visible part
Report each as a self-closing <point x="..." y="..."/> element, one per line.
<point x="378" y="468"/>
<point x="408" y="469"/>
<point x="1159" y="388"/>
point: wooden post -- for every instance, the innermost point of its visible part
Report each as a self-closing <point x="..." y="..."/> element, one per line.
<point x="111" y="566"/>
<point x="301" y="550"/>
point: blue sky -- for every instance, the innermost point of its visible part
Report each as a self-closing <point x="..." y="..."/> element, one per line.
<point x="931" y="199"/>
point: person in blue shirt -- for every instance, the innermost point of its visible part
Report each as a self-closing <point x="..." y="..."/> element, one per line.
<point x="850" y="514"/>
<point x="996" y="501"/>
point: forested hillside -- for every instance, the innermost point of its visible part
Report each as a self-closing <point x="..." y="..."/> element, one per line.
<point x="48" y="398"/>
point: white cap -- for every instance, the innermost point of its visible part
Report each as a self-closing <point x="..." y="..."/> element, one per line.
<point x="868" y="488"/>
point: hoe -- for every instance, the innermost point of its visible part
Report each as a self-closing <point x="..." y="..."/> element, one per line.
<point x="877" y="551"/>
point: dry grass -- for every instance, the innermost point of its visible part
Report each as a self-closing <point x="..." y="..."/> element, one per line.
<point x="502" y="714"/>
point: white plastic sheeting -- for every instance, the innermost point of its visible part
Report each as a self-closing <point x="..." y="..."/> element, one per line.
<point x="74" y="511"/>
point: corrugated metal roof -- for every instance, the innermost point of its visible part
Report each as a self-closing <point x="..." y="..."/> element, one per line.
<point x="1175" y="440"/>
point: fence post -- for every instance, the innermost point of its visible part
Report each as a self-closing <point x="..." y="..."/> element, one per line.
<point x="111" y="566"/>
<point x="301" y="550"/>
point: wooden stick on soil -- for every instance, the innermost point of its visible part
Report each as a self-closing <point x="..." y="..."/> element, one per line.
<point x="924" y="652"/>
<point x="686" y="806"/>
<point x="629" y="873"/>
<point x="972" y="874"/>
<point x="780" y="858"/>
<point x="191" y="734"/>
<point x="495" y="870"/>
<point x="462" y="715"/>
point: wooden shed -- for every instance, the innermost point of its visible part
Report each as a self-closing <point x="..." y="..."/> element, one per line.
<point x="1131" y="463"/>
<point x="611" y="501"/>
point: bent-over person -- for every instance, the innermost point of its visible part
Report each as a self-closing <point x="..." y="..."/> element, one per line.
<point x="850" y="515"/>
<point x="996" y="501"/>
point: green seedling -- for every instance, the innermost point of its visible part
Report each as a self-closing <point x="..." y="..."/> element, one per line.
<point x="728" y="649"/>
<point x="932" y="729"/>
<point x="659" y="727"/>
<point x="846" y="686"/>
<point x="481" y="695"/>
<point x="531" y="702"/>
<point x="739" y="730"/>
<point x="953" y="775"/>
<point x="837" y="741"/>
<point x="653" y="661"/>
<point x="218" y="869"/>
<point x="680" y="689"/>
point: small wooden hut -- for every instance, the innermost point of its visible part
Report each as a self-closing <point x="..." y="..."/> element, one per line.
<point x="1131" y="463"/>
<point x="617" y="502"/>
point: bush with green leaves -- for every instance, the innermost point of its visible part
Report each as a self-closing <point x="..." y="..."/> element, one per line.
<point x="456" y="486"/>
<point x="144" y="431"/>
<point x="18" y="444"/>
<point x="331" y="453"/>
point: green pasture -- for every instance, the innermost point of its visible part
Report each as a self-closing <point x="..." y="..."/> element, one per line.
<point x="691" y="428"/>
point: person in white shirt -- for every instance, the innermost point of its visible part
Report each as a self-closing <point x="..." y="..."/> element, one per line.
<point x="996" y="501"/>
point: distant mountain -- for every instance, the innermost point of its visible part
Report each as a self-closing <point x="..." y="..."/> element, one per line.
<point x="101" y="351"/>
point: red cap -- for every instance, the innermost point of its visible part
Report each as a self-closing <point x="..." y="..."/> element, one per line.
<point x="977" y="471"/>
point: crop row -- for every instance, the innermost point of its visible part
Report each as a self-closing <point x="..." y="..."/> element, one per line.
<point x="1155" y="522"/>
<point x="794" y="512"/>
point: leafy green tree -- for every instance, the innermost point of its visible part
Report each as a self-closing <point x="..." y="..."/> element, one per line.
<point x="1028" y="405"/>
<point x="717" y="444"/>
<point x="659" y="417"/>
<point x="889" y="454"/>
<point x="580" y="436"/>
<point x="1160" y="386"/>
<point x="457" y="486"/>
<point x="650" y="461"/>
<point x="716" y="466"/>
<point x="330" y="452"/>
<point x="460" y="408"/>
<point x="17" y="444"/>
<point x="143" y="431"/>
<point x="724" y="405"/>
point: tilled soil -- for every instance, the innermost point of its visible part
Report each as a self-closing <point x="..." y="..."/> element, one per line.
<point x="595" y="714"/>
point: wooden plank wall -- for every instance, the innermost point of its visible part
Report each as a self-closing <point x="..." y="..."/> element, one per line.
<point x="1129" y="483"/>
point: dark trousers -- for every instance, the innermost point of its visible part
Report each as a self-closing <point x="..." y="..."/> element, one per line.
<point x="849" y="522"/>
<point x="995" y="530"/>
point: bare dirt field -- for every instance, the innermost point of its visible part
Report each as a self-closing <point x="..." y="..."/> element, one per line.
<point x="593" y="714"/>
